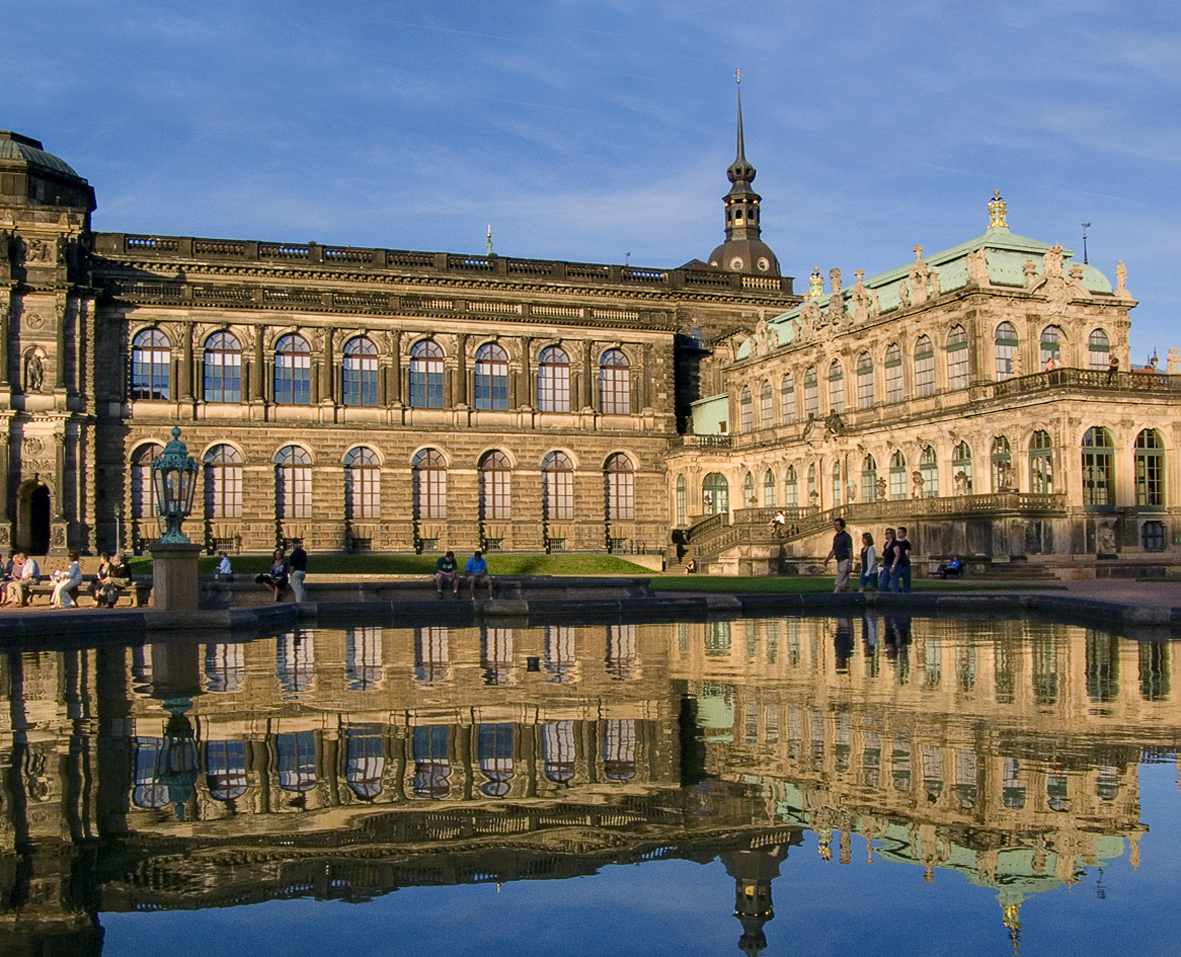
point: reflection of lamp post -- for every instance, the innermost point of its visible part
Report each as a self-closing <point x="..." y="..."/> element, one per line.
<point x="174" y="566"/>
<point x="177" y="764"/>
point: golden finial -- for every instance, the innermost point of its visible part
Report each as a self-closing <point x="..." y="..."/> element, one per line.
<point x="817" y="288"/>
<point x="996" y="211"/>
<point x="738" y="75"/>
<point x="489" y="239"/>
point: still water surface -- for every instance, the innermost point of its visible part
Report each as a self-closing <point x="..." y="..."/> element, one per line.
<point x="777" y="786"/>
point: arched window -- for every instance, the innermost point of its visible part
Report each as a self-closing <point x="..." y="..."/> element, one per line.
<point x="1098" y="475"/>
<point x="749" y="500"/>
<point x="957" y="358"/>
<point x="766" y="406"/>
<point x="787" y="399"/>
<point x="143" y="491"/>
<point x="1041" y="463"/>
<point x="769" y="489"/>
<point x="838" y="486"/>
<point x="553" y="380"/>
<point x="362" y="487"/>
<point x="558" y="751"/>
<point x="1098" y="349"/>
<point x="223" y="368"/>
<point x="961" y="468"/>
<point x="1006" y="345"/>
<point x="864" y="381"/>
<point x="924" y="367"/>
<point x="359" y="382"/>
<point x="619" y="481"/>
<point x="836" y="387"/>
<point x="426" y="375"/>
<point x="813" y="492"/>
<point x="364" y="760"/>
<point x="491" y="377"/>
<point x="496" y="486"/>
<point x="430" y="484"/>
<point x="791" y="489"/>
<point x="929" y="467"/>
<point x="745" y="410"/>
<point x="1002" y="464"/>
<point x="432" y="762"/>
<point x="297" y="760"/>
<point x="557" y="489"/>
<point x="225" y="769"/>
<point x="1150" y="470"/>
<point x="897" y="476"/>
<point x="715" y="494"/>
<point x="151" y="363"/>
<point x="869" y="479"/>
<point x="682" y="504"/>
<point x="893" y="372"/>
<point x="293" y="482"/>
<point x="223" y="482"/>
<point x="293" y="371"/>
<point x="615" y="384"/>
<point x="1051" y="347"/>
<point x="811" y="393"/>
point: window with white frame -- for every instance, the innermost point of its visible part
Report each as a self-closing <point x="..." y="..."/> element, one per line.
<point x="223" y="482"/>
<point x="893" y="372"/>
<point x="293" y="482"/>
<point x="957" y="358"/>
<point x="1006" y="345"/>
<point x="553" y="380"/>
<point x="496" y="480"/>
<point x="615" y="391"/>
<point x="619" y="479"/>
<point x="787" y="399"/>
<point x="430" y="484"/>
<point x="557" y="490"/>
<point x="865" y="395"/>
<point x="362" y="470"/>
<point x="836" y="387"/>
<point x="924" y="367"/>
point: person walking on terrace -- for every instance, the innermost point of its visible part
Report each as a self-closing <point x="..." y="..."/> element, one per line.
<point x="869" y="564"/>
<point x="297" y="564"/>
<point x="900" y="576"/>
<point x="447" y="569"/>
<point x="476" y="570"/>
<point x="842" y="551"/>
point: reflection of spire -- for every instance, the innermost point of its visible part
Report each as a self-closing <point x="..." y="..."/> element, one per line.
<point x="1012" y="914"/>
<point x="753" y="871"/>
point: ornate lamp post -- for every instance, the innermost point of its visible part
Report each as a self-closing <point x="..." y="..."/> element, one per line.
<point x="174" y="565"/>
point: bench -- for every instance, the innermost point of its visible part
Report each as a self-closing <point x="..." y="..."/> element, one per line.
<point x="137" y="595"/>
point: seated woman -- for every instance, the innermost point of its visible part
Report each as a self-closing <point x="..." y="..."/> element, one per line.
<point x="277" y="576"/>
<point x="114" y="577"/>
<point x="66" y="584"/>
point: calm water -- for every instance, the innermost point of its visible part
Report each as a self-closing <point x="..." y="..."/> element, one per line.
<point x="779" y="786"/>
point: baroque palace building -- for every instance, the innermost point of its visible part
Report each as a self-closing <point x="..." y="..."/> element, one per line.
<point x="395" y="400"/>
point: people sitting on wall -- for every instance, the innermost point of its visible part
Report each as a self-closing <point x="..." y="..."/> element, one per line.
<point x="778" y="523"/>
<point x="476" y="569"/>
<point x="277" y="576"/>
<point x="25" y="574"/>
<point x="66" y="584"/>
<point x="950" y="569"/>
<point x="447" y="570"/>
<point x="225" y="570"/>
<point x="114" y="578"/>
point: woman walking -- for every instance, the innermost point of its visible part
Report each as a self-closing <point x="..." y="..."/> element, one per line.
<point x="869" y="563"/>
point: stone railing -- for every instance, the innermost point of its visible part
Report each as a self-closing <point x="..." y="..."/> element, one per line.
<point x="1098" y="380"/>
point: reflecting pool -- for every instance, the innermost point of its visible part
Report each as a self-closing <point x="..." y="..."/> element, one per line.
<point x="881" y="785"/>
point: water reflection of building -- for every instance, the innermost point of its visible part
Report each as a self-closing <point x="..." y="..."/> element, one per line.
<point x="350" y="763"/>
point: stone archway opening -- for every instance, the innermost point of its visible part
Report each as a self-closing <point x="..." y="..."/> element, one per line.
<point x="32" y="517"/>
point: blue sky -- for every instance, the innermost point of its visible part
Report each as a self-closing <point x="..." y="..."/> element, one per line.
<point x="588" y="129"/>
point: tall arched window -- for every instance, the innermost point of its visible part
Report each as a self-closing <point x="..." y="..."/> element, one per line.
<point x="836" y="387"/>
<point x="1006" y="345"/>
<point x="961" y="468"/>
<point x="223" y="482"/>
<point x="838" y="487"/>
<point x="1150" y="470"/>
<point x="864" y="381"/>
<point x="715" y="494"/>
<point x="491" y="377"/>
<point x="766" y="406"/>
<point x="496" y="485"/>
<point x="745" y="410"/>
<point x="293" y="482"/>
<point x="787" y="399"/>
<point x="151" y="361"/>
<point x="893" y="372"/>
<point x="682" y="503"/>
<point x="615" y="384"/>
<point x="811" y="393"/>
<point x="791" y="489"/>
<point x="1051" y="346"/>
<point x="1098" y="349"/>
<point x="813" y="491"/>
<point x="924" y="367"/>
<point x="1098" y="475"/>
<point x="769" y="489"/>
<point x="957" y="358"/>
<point x="1002" y="464"/>
<point x="143" y="491"/>
<point x="749" y="500"/>
<point x="362" y="487"/>
<point x="430" y="484"/>
<point x="557" y="489"/>
<point x="929" y="467"/>
<point x="869" y="479"/>
<point x="293" y="371"/>
<point x="553" y="380"/>
<point x="359" y="382"/>
<point x="223" y="368"/>
<point x="426" y="375"/>
<point x="619" y="481"/>
<point x="897" y="476"/>
<point x="1041" y="463"/>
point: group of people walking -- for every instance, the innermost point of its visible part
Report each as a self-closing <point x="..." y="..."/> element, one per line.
<point x="889" y="573"/>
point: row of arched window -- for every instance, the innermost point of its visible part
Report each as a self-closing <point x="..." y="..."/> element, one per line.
<point x="865" y="388"/>
<point x="151" y="371"/>
<point x="902" y="480"/>
<point x="223" y="496"/>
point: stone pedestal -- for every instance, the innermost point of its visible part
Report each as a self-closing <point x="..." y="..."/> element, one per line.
<point x="174" y="577"/>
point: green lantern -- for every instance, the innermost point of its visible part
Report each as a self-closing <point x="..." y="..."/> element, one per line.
<point x="174" y="479"/>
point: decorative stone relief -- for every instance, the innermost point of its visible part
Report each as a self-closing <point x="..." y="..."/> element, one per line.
<point x="34" y="372"/>
<point x="1053" y="261"/>
<point x="978" y="266"/>
<point x="32" y="446"/>
<point x="34" y="320"/>
<point x="904" y="293"/>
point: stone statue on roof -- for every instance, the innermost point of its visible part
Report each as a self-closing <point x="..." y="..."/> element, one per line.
<point x="978" y="266"/>
<point x="1121" y="279"/>
<point x="1053" y="260"/>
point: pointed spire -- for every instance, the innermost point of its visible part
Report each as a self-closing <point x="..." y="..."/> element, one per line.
<point x="740" y="170"/>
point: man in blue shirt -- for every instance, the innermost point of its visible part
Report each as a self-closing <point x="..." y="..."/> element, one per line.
<point x="476" y="570"/>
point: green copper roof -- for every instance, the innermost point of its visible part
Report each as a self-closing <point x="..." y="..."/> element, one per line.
<point x="13" y="146"/>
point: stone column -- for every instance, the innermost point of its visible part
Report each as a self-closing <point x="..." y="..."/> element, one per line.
<point x="59" y="365"/>
<point x="394" y="375"/>
<point x="646" y="377"/>
<point x="326" y="360"/>
<point x="525" y="394"/>
<point x="5" y="513"/>
<point x="6" y="308"/>
<point x="185" y="379"/>
<point x="461" y="396"/>
<point x="174" y="577"/>
<point x="258" y="377"/>
<point x="587" y="398"/>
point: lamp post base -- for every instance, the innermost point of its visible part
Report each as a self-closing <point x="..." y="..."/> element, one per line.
<point x="174" y="576"/>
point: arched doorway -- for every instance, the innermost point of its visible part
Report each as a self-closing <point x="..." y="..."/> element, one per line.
<point x="32" y="517"/>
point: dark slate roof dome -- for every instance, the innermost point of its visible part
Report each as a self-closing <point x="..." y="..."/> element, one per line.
<point x="24" y="149"/>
